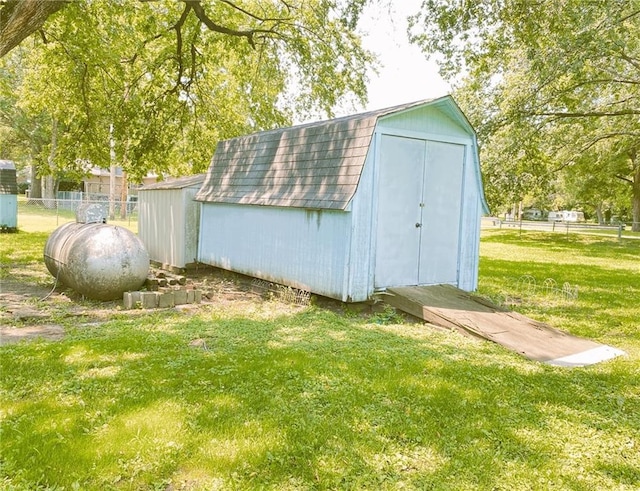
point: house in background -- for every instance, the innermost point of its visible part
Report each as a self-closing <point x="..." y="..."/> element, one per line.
<point x="97" y="182"/>
<point x="351" y="206"/>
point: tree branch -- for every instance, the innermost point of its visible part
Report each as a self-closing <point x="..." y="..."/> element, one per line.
<point x="584" y="114"/>
<point x="178" y="28"/>
<point x="212" y="26"/>
<point x="247" y="13"/>
<point x="625" y="179"/>
<point x="593" y="142"/>
<point x="20" y="18"/>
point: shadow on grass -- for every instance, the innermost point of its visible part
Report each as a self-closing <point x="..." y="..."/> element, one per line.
<point x="310" y="400"/>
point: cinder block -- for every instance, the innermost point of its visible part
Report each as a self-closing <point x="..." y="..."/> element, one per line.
<point x="131" y="300"/>
<point x="127" y="301"/>
<point x="180" y="296"/>
<point x="190" y="296"/>
<point x="166" y="300"/>
<point x="149" y="300"/>
<point x="197" y="296"/>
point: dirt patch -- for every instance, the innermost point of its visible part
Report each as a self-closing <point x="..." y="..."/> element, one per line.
<point x="51" y="332"/>
<point x="33" y="307"/>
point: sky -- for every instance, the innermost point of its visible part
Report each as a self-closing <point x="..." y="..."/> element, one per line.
<point x="405" y="74"/>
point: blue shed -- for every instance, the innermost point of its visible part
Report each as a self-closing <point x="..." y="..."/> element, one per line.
<point x="351" y="206"/>
<point x="8" y="197"/>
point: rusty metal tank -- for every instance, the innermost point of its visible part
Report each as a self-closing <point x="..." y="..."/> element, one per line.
<point x="97" y="260"/>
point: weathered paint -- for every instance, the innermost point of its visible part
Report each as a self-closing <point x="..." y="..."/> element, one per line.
<point x="333" y="252"/>
<point x="284" y="245"/>
<point x="442" y="123"/>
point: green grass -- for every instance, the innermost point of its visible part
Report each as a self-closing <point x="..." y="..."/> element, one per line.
<point x="22" y="248"/>
<point x="279" y="397"/>
<point x="605" y="271"/>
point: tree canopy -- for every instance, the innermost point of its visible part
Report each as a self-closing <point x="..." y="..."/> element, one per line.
<point x="172" y="78"/>
<point x="553" y="89"/>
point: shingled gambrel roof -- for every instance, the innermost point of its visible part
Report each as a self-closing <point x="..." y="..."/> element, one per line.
<point x="316" y="165"/>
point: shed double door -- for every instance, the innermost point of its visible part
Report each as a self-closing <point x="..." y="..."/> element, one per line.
<point x="419" y="212"/>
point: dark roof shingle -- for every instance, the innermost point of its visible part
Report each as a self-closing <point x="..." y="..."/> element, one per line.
<point x="8" y="178"/>
<point x="316" y="165"/>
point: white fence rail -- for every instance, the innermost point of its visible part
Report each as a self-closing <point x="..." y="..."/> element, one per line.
<point x="620" y="230"/>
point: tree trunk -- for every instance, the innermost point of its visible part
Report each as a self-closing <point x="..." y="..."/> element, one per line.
<point x="635" y="195"/>
<point x="49" y="184"/>
<point x="123" y="196"/>
<point x="20" y="18"/>
<point x="112" y="175"/>
<point x="599" y="213"/>
<point x="35" y="191"/>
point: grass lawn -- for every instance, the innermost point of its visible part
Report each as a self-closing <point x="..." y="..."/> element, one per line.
<point x="272" y="396"/>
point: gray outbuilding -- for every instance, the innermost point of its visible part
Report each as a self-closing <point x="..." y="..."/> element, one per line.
<point x="8" y="197"/>
<point x="169" y="220"/>
<point x="351" y="206"/>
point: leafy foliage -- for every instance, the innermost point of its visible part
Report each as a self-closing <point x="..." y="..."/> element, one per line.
<point x="175" y="77"/>
<point x="552" y="86"/>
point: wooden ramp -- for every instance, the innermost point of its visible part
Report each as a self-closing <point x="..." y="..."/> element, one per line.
<point x="449" y="307"/>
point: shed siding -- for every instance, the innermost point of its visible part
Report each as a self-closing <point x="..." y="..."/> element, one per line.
<point x="8" y="195"/>
<point x="192" y="225"/>
<point x="168" y="225"/>
<point x="306" y="249"/>
<point x="471" y="213"/>
<point x="360" y="273"/>
<point x="161" y="217"/>
<point x="8" y="211"/>
<point x="427" y="120"/>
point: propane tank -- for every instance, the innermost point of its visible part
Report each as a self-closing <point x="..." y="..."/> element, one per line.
<point x="97" y="260"/>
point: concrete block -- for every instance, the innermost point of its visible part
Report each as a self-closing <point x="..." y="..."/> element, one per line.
<point x="166" y="300"/>
<point x="131" y="300"/>
<point x="197" y="296"/>
<point x="180" y="296"/>
<point x="149" y="300"/>
<point x="190" y="296"/>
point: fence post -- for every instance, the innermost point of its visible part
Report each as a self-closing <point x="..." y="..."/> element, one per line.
<point x="620" y="232"/>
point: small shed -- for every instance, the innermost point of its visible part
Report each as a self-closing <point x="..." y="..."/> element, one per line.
<point x="169" y="220"/>
<point x="8" y="197"/>
<point x="351" y="206"/>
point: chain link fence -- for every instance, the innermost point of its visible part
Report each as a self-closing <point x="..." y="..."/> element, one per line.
<point x="63" y="210"/>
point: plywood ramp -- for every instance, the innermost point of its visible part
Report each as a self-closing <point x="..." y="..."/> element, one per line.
<point x="450" y="307"/>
